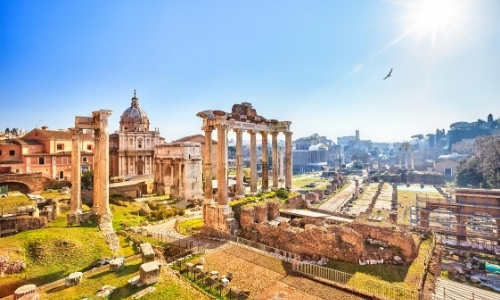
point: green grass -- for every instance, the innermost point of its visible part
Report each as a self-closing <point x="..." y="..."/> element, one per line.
<point x="301" y="183"/>
<point x="166" y="289"/>
<point x="10" y="202"/>
<point x="187" y="226"/>
<point x="403" y="276"/>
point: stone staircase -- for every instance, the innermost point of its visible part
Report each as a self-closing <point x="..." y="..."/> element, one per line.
<point x="447" y="289"/>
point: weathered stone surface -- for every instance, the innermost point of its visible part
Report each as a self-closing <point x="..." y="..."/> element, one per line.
<point x="29" y="223"/>
<point x="314" y="242"/>
<point x="261" y="213"/>
<point x="397" y="238"/>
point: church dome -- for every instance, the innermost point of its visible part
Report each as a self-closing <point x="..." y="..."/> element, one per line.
<point x="134" y="118"/>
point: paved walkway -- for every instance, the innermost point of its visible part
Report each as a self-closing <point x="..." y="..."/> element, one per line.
<point x="447" y="289"/>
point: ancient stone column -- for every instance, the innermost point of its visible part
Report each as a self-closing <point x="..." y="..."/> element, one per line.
<point x="104" y="164"/>
<point x="288" y="160"/>
<point x="265" y="174"/>
<point x="97" y="174"/>
<point x="240" y="192"/>
<point x="76" y="172"/>
<point x="207" y="166"/>
<point x="412" y="154"/>
<point x="400" y="162"/>
<point x="222" y="167"/>
<point x="282" y="165"/>
<point x="253" y="162"/>
<point x="406" y="158"/>
<point x="274" y="145"/>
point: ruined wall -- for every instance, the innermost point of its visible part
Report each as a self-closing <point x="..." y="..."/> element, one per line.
<point x="313" y="242"/>
<point x="397" y="238"/>
<point x="296" y="202"/>
<point x="29" y="223"/>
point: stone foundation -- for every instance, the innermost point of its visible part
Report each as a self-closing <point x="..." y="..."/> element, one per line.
<point x="218" y="219"/>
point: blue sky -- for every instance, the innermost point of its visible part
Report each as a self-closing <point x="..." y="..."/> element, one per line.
<point x="319" y="64"/>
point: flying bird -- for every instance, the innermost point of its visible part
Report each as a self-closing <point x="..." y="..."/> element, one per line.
<point x="388" y="75"/>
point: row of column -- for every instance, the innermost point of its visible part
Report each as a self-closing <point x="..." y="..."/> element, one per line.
<point x="222" y="165"/>
<point x="412" y="154"/>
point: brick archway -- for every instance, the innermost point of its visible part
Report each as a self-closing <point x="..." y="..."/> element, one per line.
<point x="33" y="182"/>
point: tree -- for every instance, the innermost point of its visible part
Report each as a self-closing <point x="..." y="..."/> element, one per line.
<point x="87" y="179"/>
<point x="469" y="172"/>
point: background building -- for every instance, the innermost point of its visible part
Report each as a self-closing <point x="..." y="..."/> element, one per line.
<point x="132" y="146"/>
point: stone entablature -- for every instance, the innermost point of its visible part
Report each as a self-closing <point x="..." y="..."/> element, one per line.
<point x="178" y="171"/>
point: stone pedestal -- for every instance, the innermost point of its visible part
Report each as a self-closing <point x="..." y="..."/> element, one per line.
<point x="218" y="219"/>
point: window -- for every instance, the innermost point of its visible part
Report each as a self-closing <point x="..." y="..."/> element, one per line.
<point x="60" y="147"/>
<point x="12" y="152"/>
<point x="41" y="160"/>
<point x="89" y="147"/>
<point x="84" y="159"/>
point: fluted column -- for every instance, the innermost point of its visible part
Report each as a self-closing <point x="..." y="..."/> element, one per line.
<point x="253" y="162"/>
<point x="265" y="174"/>
<point x="207" y="167"/>
<point x="222" y="167"/>
<point x="76" y="174"/>
<point x="288" y="160"/>
<point x="239" y="164"/>
<point x="274" y="145"/>
<point x="97" y="174"/>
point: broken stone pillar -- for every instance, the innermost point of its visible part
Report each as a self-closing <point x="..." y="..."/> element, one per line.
<point x="207" y="166"/>
<point x="265" y="174"/>
<point x="274" y="145"/>
<point x="239" y="164"/>
<point x="288" y="160"/>
<point x="253" y="162"/>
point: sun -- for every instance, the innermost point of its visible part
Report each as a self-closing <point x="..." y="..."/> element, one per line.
<point x="434" y="16"/>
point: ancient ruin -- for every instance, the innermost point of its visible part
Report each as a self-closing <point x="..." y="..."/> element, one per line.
<point x="178" y="171"/>
<point x="99" y="124"/>
<point x="407" y="147"/>
<point x="218" y="217"/>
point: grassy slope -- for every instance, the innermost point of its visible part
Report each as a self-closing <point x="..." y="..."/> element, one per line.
<point x="166" y="289"/>
<point x="54" y="252"/>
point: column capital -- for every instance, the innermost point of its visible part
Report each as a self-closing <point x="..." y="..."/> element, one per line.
<point x="207" y="128"/>
<point x="76" y="133"/>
